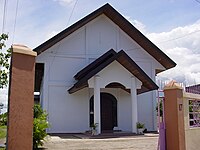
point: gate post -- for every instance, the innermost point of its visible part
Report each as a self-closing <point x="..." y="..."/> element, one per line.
<point x="21" y="99"/>
<point x="174" y="116"/>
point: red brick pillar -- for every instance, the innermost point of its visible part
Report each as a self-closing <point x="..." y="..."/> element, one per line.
<point x="21" y="99"/>
<point x="174" y="117"/>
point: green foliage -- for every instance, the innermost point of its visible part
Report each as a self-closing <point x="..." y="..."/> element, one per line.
<point x="161" y="109"/>
<point x="40" y="125"/>
<point x="190" y="106"/>
<point x="4" y="64"/>
<point x="140" y="125"/>
<point x="94" y="126"/>
<point x="3" y="119"/>
<point x="38" y="111"/>
<point x="3" y="130"/>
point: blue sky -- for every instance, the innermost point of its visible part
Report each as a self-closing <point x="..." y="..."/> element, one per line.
<point x="173" y="25"/>
<point x="39" y="18"/>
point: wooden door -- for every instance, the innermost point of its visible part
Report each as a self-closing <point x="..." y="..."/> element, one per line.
<point x="108" y="111"/>
<point x="107" y="117"/>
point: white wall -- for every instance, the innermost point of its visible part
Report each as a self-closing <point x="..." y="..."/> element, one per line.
<point x="67" y="57"/>
<point x="114" y="72"/>
<point x="124" y="111"/>
<point x="70" y="113"/>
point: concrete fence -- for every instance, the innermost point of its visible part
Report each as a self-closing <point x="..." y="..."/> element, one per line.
<point x="182" y="118"/>
<point x="192" y="120"/>
<point x="20" y="102"/>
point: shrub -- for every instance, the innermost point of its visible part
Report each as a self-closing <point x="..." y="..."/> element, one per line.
<point x="3" y="119"/>
<point x="140" y="125"/>
<point x="94" y="126"/>
<point x="40" y="125"/>
<point x="3" y="132"/>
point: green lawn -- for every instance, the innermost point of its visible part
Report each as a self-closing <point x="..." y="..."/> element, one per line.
<point x="3" y="131"/>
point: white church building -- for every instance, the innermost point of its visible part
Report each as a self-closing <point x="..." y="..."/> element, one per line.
<point x="99" y="70"/>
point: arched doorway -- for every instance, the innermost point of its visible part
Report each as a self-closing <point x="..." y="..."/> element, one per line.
<point x="108" y="111"/>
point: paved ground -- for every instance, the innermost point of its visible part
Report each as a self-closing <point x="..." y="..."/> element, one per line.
<point x="2" y="141"/>
<point x="147" y="142"/>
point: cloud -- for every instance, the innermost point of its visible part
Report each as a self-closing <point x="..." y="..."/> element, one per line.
<point x="65" y="2"/>
<point x="139" y="25"/>
<point x="182" y="45"/>
<point x="187" y="37"/>
<point x="187" y="70"/>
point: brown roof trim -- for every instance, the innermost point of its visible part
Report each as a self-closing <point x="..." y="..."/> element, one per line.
<point x="124" y="24"/>
<point x="97" y="62"/>
<point x="132" y="67"/>
<point x="92" y="69"/>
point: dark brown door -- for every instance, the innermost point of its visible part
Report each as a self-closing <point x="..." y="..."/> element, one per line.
<point x="107" y="115"/>
<point x="108" y="111"/>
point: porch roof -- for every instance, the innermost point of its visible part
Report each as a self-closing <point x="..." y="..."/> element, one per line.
<point x="92" y="69"/>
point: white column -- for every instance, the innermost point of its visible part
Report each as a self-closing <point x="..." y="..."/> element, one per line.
<point x="154" y="113"/>
<point x="97" y="105"/>
<point x="134" y="104"/>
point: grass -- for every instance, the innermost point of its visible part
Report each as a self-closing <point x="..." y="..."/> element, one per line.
<point x="3" y="130"/>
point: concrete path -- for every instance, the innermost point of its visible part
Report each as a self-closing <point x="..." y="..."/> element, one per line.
<point x="126" y="143"/>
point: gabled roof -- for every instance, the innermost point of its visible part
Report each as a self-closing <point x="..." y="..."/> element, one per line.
<point x="124" y="24"/>
<point x="92" y="69"/>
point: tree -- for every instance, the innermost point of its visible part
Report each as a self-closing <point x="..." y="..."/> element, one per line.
<point x="4" y="58"/>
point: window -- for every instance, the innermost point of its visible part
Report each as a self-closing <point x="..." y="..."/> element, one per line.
<point x="194" y="113"/>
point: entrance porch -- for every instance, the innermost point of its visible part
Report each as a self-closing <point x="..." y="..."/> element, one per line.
<point x="113" y="70"/>
<point x="107" y="111"/>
